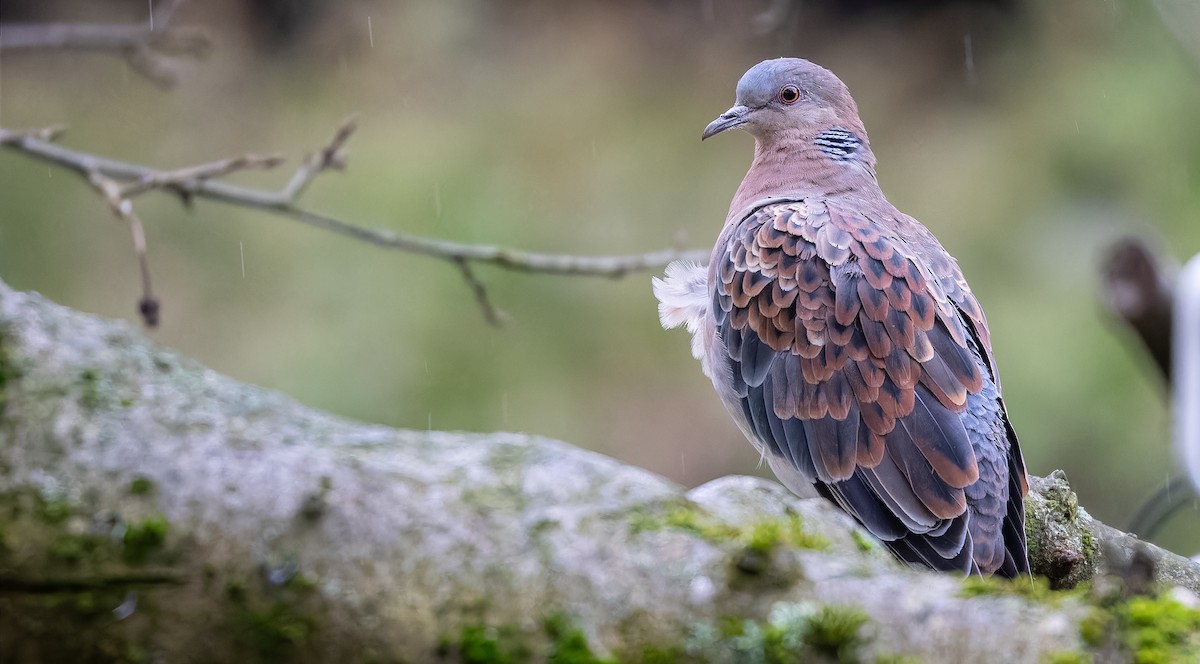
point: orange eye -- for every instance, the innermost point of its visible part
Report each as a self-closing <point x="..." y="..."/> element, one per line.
<point x="789" y="94"/>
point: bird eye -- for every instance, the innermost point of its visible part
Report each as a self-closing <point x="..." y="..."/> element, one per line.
<point x="789" y="94"/>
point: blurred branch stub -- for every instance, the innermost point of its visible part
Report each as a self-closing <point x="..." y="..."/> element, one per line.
<point x="1142" y="288"/>
<point x="119" y="182"/>
<point x="149" y="47"/>
<point x="1137" y="288"/>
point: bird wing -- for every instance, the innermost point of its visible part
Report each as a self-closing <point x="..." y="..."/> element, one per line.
<point x="852" y="355"/>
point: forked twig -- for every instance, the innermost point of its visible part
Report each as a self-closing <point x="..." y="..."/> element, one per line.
<point x="149" y="47"/>
<point x="119" y="182"/>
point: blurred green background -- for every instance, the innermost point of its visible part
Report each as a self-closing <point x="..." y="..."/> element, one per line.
<point x="1026" y="134"/>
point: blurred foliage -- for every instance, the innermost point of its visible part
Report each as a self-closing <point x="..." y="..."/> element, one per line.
<point x="1025" y="134"/>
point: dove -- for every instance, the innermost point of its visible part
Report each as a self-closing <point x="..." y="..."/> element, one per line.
<point x="845" y="341"/>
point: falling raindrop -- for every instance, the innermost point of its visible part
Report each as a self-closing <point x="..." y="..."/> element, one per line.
<point x="370" y="33"/>
<point x="151" y="4"/>
<point x="242" y="252"/>
<point x="969" y="59"/>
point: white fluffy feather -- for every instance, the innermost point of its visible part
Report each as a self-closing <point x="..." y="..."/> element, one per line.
<point x="683" y="300"/>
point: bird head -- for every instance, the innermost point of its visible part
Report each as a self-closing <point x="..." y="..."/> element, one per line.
<point x="787" y="94"/>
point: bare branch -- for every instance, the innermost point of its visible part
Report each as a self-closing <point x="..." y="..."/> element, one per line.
<point x="201" y="182"/>
<point x="147" y="47"/>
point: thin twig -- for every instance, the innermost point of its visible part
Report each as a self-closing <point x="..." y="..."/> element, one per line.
<point x="201" y="183"/>
<point x="176" y="178"/>
<point x="494" y="316"/>
<point x="147" y="47"/>
<point x="122" y="207"/>
<point x="329" y="157"/>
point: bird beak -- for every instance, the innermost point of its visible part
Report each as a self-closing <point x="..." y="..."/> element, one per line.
<point x="734" y="117"/>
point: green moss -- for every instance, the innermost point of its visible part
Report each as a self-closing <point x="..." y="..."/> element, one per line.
<point x="865" y="543"/>
<point x="731" y="626"/>
<point x="1033" y="536"/>
<point x="69" y="626"/>
<point x="699" y="523"/>
<point x="235" y="591"/>
<point x="1145" y="630"/>
<point x="543" y="526"/>
<point x="71" y="550"/>
<point x="135" y="654"/>
<point x="497" y="497"/>
<point x="1160" y="630"/>
<point x="483" y="644"/>
<point x="54" y="512"/>
<point x="9" y="372"/>
<point x="141" y="486"/>
<point x="755" y="560"/>
<point x="300" y="583"/>
<point x="144" y="538"/>
<point x="779" y="646"/>
<point x="1060" y="499"/>
<point x="1089" y="543"/>
<point x="764" y="535"/>
<point x="759" y="537"/>
<point x="478" y="645"/>
<point x="657" y="655"/>
<point x="317" y="502"/>
<point x="1094" y="628"/>
<point x="272" y="621"/>
<point x="1035" y="589"/>
<point x="273" y="631"/>
<point x="568" y="643"/>
<point x="836" y="632"/>
<point x="91" y="394"/>
<point x="793" y="633"/>
<point x="890" y="658"/>
<point x="688" y="517"/>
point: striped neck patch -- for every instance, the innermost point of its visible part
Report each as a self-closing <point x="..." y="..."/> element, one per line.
<point x="841" y="144"/>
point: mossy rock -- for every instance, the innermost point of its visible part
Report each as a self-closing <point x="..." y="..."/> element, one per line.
<point x="152" y="510"/>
